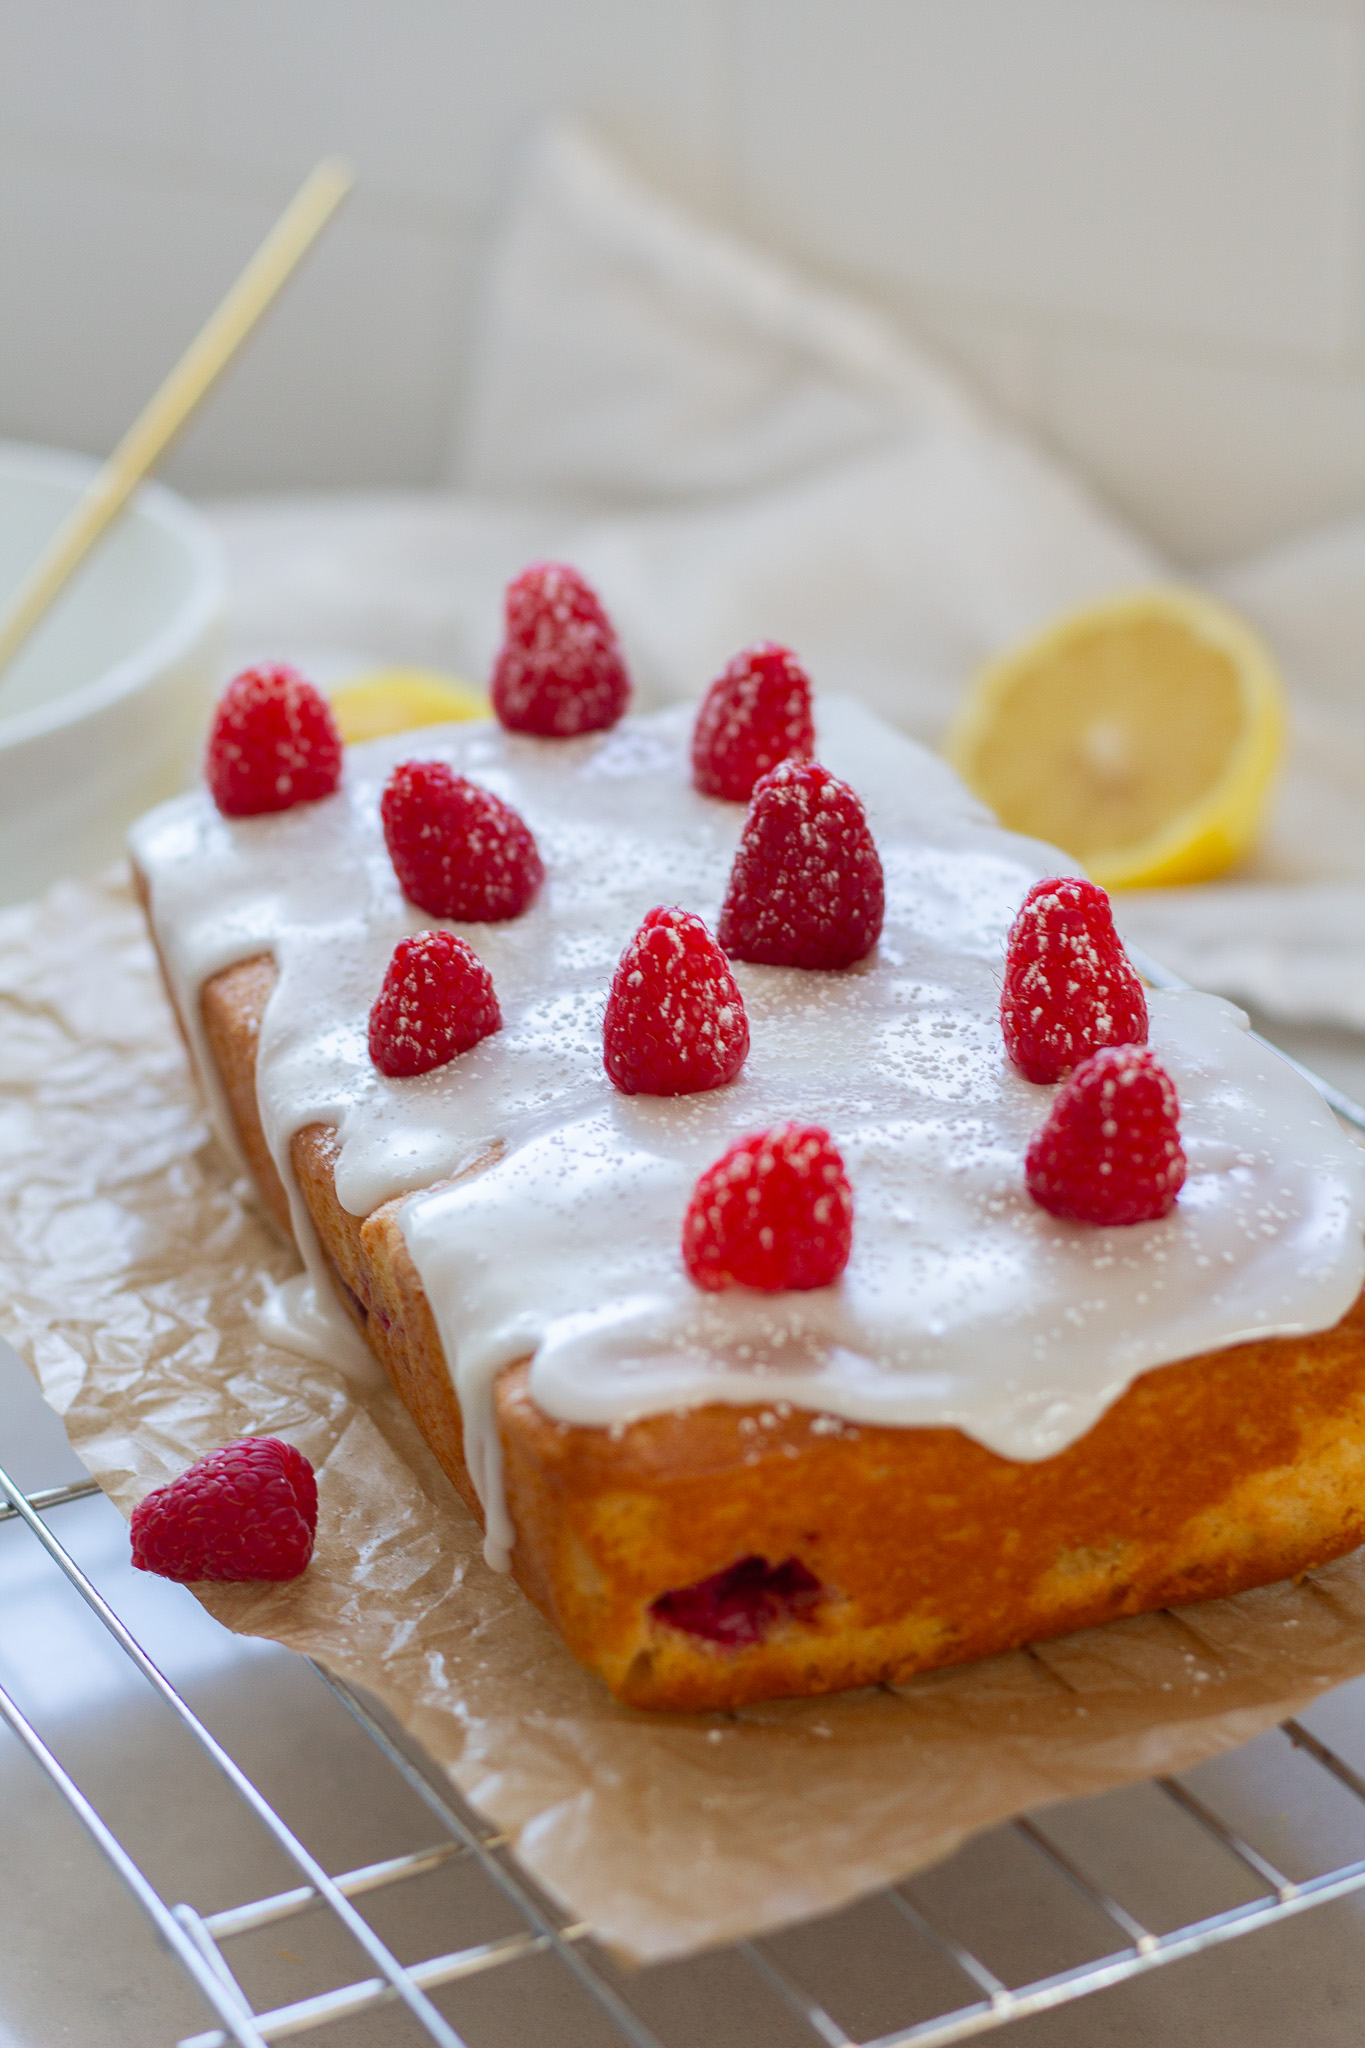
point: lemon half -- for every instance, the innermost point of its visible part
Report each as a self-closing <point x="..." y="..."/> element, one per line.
<point x="386" y="700"/>
<point x="1139" y="734"/>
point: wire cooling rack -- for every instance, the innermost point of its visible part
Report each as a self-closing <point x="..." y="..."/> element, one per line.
<point x="204" y="1942"/>
<point x="951" y="1993"/>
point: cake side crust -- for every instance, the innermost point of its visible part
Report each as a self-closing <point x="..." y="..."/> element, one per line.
<point x="1205" y="1478"/>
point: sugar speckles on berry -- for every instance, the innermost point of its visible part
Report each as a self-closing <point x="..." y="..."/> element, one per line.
<point x="775" y="1212"/>
<point x="1069" y="987"/>
<point x="559" y="671"/>
<point x="756" y="714"/>
<point x="437" y="1002"/>
<point x="457" y="849"/>
<point x="675" y="1022"/>
<point x="806" y="887"/>
<point x="273" y="743"/>
<point x="1110" y="1151"/>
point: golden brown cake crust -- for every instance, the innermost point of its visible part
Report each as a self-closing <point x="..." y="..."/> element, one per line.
<point x="1206" y="1477"/>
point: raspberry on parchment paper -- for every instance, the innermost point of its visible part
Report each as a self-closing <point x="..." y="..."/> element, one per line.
<point x="248" y="1511"/>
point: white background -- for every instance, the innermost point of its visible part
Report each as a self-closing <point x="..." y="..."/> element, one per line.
<point x="1138" y="224"/>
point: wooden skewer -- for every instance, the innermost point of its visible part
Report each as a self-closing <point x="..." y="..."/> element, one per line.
<point x="207" y="355"/>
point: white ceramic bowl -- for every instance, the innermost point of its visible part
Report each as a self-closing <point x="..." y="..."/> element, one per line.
<point x="103" y="712"/>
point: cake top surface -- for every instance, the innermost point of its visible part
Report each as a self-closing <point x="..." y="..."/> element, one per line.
<point x="963" y="1303"/>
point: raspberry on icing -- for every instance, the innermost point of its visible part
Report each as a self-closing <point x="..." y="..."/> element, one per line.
<point x="273" y="743"/>
<point x="806" y="888"/>
<point x="437" y="1001"/>
<point x="1069" y="986"/>
<point x="1110" y="1151"/>
<point x="774" y="1212"/>
<point x="248" y="1511"/>
<point x="755" y="714"/>
<point x="559" y="670"/>
<point x="458" y="850"/>
<point x="675" y="1021"/>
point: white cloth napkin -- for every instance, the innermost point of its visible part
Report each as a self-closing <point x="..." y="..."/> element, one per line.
<point x="731" y="452"/>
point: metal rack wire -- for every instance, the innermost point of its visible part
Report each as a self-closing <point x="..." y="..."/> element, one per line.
<point x="202" y="1942"/>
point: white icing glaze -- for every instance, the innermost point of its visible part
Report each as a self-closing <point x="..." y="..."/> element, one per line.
<point x="963" y="1302"/>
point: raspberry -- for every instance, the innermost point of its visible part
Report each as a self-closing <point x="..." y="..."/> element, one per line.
<point x="248" y="1511"/>
<point x="273" y="743"/>
<point x="806" y="887"/>
<point x="458" y="850"/>
<point x="737" y="1607"/>
<point x="1110" y="1151"/>
<point x="775" y="1211"/>
<point x="675" y="1021"/>
<point x="559" y="671"/>
<point x="437" y="1000"/>
<point x="1069" y="986"/>
<point x="755" y="714"/>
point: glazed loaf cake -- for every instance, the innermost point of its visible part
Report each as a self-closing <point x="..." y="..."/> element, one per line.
<point x="999" y="1427"/>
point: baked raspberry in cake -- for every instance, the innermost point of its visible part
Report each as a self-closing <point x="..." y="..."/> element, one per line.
<point x="971" y="1422"/>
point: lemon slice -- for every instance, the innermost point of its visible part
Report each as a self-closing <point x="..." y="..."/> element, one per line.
<point x="1139" y="734"/>
<point x="388" y="700"/>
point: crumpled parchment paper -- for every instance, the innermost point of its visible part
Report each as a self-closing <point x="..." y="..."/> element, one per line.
<point x="128" y="1251"/>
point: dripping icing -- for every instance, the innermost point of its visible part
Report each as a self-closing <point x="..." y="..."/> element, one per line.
<point x="963" y="1303"/>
